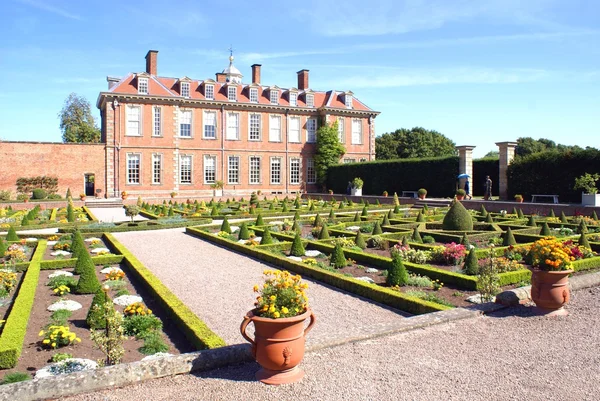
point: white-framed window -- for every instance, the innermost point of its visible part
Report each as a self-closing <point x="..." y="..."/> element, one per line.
<point x="348" y="101"/>
<point x="311" y="173"/>
<point x="133" y="168"/>
<point x="254" y="127"/>
<point x="185" y="169"/>
<point x="274" y="128"/>
<point x="156" y="168"/>
<point x="210" y="169"/>
<point x="209" y="92"/>
<point x="311" y="130"/>
<point x="210" y="125"/>
<point x="294" y="129"/>
<point x="274" y="96"/>
<point x="232" y="93"/>
<point x="143" y="86"/>
<point x="357" y="132"/>
<point x="275" y="170"/>
<point x="185" y="123"/>
<point x="254" y="95"/>
<point x="310" y="100"/>
<point x="134" y="120"/>
<point x="185" y="89"/>
<point x="362" y="160"/>
<point x="294" y="171"/>
<point x="254" y="170"/>
<point x="347" y="161"/>
<point x="233" y="170"/>
<point x="157" y="126"/>
<point x="341" y="130"/>
<point x="293" y="99"/>
<point x="233" y="126"/>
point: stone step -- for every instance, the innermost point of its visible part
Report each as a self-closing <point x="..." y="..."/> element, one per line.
<point x="104" y="203"/>
<point x="431" y="203"/>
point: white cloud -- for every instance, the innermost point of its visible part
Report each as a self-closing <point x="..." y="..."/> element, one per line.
<point x="50" y="8"/>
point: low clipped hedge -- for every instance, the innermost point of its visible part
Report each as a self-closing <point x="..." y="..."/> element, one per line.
<point x="145" y="226"/>
<point x="196" y="331"/>
<point x="13" y="333"/>
<point x="63" y="263"/>
<point x="586" y="264"/>
<point x="514" y="277"/>
<point x="91" y="216"/>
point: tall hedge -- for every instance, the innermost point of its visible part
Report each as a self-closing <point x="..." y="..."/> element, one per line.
<point x="482" y="167"/>
<point x="408" y="175"/>
<point x="551" y="172"/>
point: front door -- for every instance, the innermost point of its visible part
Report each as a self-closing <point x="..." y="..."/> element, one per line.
<point x="89" y="184"/>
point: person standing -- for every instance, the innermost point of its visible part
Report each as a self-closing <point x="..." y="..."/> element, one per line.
<point x="488" y="188"/>
<point x="468" y="189"/>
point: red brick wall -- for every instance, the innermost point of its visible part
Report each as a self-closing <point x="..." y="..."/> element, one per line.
<point x="68" y="162"/>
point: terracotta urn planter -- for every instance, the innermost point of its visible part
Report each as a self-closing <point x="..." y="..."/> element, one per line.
<point x="278" y="346"/>
<point x="550" y="289"/>
<point x="460" y="197"/>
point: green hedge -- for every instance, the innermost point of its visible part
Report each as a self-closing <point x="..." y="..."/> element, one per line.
<point x="586" y="264"/>
<point x="91" y="216"/>
<point x="63" y="263"/>
<point x="482" y="167"/>
<point x="551" y="172"/>
<point x="196" y="331"/>
<point x="514" y="277"/>
<point x="13" y="333"/>
<point x="376" y="293"/>
<point x="436" y="174"/>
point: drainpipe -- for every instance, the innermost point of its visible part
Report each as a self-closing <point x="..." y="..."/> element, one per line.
<point x="223" y="146"/>
<point x="116" y="158"/>
<point x="287" y="133"/>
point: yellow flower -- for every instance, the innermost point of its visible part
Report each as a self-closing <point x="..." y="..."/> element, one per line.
<point x="276" y="314"/>
<point x="54" y="344"/>
<point x="41" y="333"/>
<point x="46" y="341"/>
<point x="256" y="288"/>
<point x="272" y="297"/>
<point x="284" y="309"/>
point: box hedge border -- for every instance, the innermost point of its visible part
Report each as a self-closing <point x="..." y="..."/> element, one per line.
<point x="13" y="333"/>
<point x="64" y="263"/>
<point x="195" y="330"/>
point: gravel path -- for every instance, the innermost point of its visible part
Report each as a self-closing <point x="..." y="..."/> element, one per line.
<point x="217" y="285"/>
<point x="113" y="215"/>
<point x="508" y="355"/>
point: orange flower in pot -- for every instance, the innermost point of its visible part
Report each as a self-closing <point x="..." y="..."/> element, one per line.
<point x="281" y="309"/>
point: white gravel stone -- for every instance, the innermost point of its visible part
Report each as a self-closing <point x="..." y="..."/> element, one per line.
<point x="126" y="300"/>
<point x="371" y="270"/>
<point x="234" y="229"/>
<point x="60" y="253"/>
<point x="51" y="243"/>
<point x="110" y="269"/>
<point x="476" y="299"/>
<point x="60" y="273"/>
<point x="311" y="253"/>
<point x="366" y="279"/>
<point x="65" y="304"/>
<point x="275" y="222"/>
<point x="31" y="239"/>
<point x="100" y="250"/>
<point x="296" y="258"/>
<point x="92" y="239"/>
<point x="353" y="228"/>
<point x="60" y="368"/>
<point x="242" y="241"/>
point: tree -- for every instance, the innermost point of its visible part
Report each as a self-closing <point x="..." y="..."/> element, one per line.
<point x="77" y="122"/>
<point x="414" y="143"/>
<point x="132" y="211"/>
<point x="527" y="146"/>
<point x="492" y="153"/>
<point x="328" y="151"/>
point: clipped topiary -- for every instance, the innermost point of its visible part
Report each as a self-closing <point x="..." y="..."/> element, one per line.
<point x="318" y="221"/>
<point x="331" y="215"/>
<point x="364" y="212"/>
<point x="297" y="203"/>
<point x="253" y="198"/>
<point x="416" y="236"/>
<point x="11" y="235"/>
<point x="563" y="218"/>
<point x="531" y="222"/>
<point x="420" y="217"/>
<point x="259" y="220"/>
<point x="390" y="214"/>
<point x="24" y="221"/>
<point x="397" y="274"/>
<point x="88" y="282"/>
<point x="213" y="211"/>
<point x="337" y="260"/>
<point x="3" y="248"/>
<point x="508" y="238"/>
<point x="458" y="218"/>
<point x="396" y="200"/>
<point x="296" y="227"/>
<point x="465" y="240"/>
<point x="471" y="266"/>
<point x="405" y="241"/>
<point x="582" y="229"/>
<point x="377" y="229"/>
<point x="244" y="234"/>
<point x="396" y="209"/>
<point x="367" y="203"/>
<point x="296" y="216"/>
<point x="520" y="214"/>
<point x="311" y="208"/>
<point x="386" y="221"/>
<point x="266" y="238"/>
<point x="225" y="226"/>
<point x="297" y="247"/>
<point x="582" y="241"/>
<point x="70" y="213"/>
<point x="551" y="214"/>
<point x="482" y="211"/>
<point x="271" y="206"/>
<point x="171" y="212"/>
<point x="489" y="218"/>
<point x="96" y="318"/>
<point x="284" y="207"/>
<point x="515" y="211"/>
<point x="341" y="205"/>
<point x="545" y="231"/>
<point x="77" y="243"/>
<point x="359" y="240"/>
<point x="324" y="234"/>
<point x="594" y="215"/>
<point x="357" y="217"/>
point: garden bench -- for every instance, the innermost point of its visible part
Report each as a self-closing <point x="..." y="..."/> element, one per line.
<point x="535" y="197"/>
<point x="410" y="194"/>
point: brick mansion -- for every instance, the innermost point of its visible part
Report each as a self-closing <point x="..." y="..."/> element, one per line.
<point x="164" y="134"/>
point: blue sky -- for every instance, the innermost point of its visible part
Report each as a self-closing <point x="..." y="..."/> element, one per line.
<point x="479" y="72"/>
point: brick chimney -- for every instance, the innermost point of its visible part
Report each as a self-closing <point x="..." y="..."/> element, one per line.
<point x="256" y="73"/>
<point x="302" y="79"/>
<point x="152" y="62"/>
<point x="220" y="77"/>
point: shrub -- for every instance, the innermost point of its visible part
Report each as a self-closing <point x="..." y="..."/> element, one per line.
<point x="95" y="317"/>
<point x="39" y="193"/>
<point x="416" y="236"/>
<point x="88" y="282"/>
<point x="70" y="213"/>
<point x="583" y="241"/>
<point x="451" y="254"/>
<point x="337" y="260"/>
<point x="77" y="244"/>
<point x="132" y="210"/>
<point x="141" y="325"/>
<point x="297" y="248"/>
<point x="60" y="356"/>
<point x="5" y="195"/>
<point x="60" y="317"/>
<point x="364" y="212"/>
<point x="324" y="234"/>
<point x="377" y="229"/>
<point x="225" y="226"/>
<point x="15" y="377"/>
<point x="458" y="218"/>
<point x="509" y="238"/>
<point x="420" y="217"/>
<point x="360" y="241"/>
<point x="545" y="231"/>
<point x="153" y="343"/>
<point x="410" y="255"/>
<point x="488" y="281"/>
<point x="397" y="274"/>
<point x="428" y="239"/>
<point x="259" y="220"/>
<point x="244" y="234"/>
<point x="422" y="192"/>
<point x="471" y="266"/>
<point x="11" y="235"/>
<point x="266" y="237"/>
<point x="110" y="341"/>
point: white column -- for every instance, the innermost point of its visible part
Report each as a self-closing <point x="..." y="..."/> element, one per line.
<point x="507" y="154"/>
<point x="465" y="162"/>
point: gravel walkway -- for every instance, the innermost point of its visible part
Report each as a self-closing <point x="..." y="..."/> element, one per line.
<point x="113" y="215"/>
<point x="217" y="285"/>
<point x="508" y="355"/>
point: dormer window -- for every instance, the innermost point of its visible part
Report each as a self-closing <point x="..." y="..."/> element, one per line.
<point x="348" y="100"/>
<point x="143" y="86"/>
<point x="310" y="100"/>
<point x="254" y="95"/>
<point x="185" y="89"/>
<point x="274" y="96"/>
<point x="232" y="93"/>
<point x="293" y="99"/>
<point x="209" y="92"/>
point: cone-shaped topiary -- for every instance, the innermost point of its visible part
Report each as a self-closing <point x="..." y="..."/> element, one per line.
<point x="377" y="229"/>
<point x="482" y="211"/>
<point x="213" y="211"/>
<point x="359" y="240"/>
<point x="259" y="220"/>
<point x="296" y="216"/>
<point x="171" y="212"/>
<point x="297" y="247"/>
<point x="508" y="238"/>
<point x="582" y="229"/>
<point x="396" y="200"/>
<point x="457" y="218"/>
<point x="594" y="215"/>
<point x="70" y="213"/>
<point x="253" y="198"/>
<point x="386" y="221"/>
<point x="324" y="234"/>
<point x="397" y="274"/>
<point x="337" y="260"/>
<point x="244" y="234"/>
<point x="225" y="226"/>
<point x="341" y="205"/>
<point x="364" y="212"/>
<point x="425" y="208"/>
<point x="563" y="218"/>
<point x="77" y="243"/>
<point x="331" y="215"/>
<point x="515" y="211"/>
<point x="531" y="222"/>
<point x="11" y="235"/>
<point x="471" y="266"/>
<point x="545" y="231"/>
<point x="377" y="202"/>
<point x="24" y="221"/>
<point x="252" y="210"/>
<point x="551" y="214"/>
<point x="390" y="214"/>
<point x="420" y="217"/>
<point x="465" y="241"/>
<point x="582" y="241"/>
<point x="312" y="207"/>
<point x="396" y="209"/>
<point x="318" y="221"/>
<point x="95" y="317"/>
<point x="68" y="193"/>
<point x="271" y="206"/>
<point x="296" y="226"/>
<point x="284" y="207"/>
<point x="416" y="236"/>
<point x="3" y="248"/>
<point x="266" y="237"/>
<point x="489" y="218"/>
<point x="520" y="214"/>
<point x="367" y="203"/>
<point x="405" y="241"/>
<point x="357" y="217"/>
<point x="297" y="203"/>
<point x="88" y="282"/>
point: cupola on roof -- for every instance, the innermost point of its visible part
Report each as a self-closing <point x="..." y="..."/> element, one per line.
<point x="232" y="74"/>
